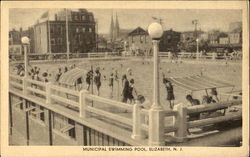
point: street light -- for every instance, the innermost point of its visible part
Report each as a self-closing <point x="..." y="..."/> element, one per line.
<point x="156" y="112"/>
<point x="25" y="41"/>
<point x="197" y="48"/>
<point x="155" y="31"/>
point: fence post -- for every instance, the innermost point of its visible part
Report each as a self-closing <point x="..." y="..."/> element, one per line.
<point x="156" y="127"/>
<point x="48" y="93"/>
<point x="82" y="103"/>
<point x="24" y="85"/>
<point x="214" y="55"/>
<point x="137" y="132"/>
<point x="180" y="121"/>
<point x="169" y="55"/>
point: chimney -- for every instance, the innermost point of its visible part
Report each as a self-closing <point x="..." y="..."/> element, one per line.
<point x="55" y="17"/>
<point x="21" y="29"/>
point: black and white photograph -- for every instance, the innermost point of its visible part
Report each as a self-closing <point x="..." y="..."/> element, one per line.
<point x="130" y="79"/>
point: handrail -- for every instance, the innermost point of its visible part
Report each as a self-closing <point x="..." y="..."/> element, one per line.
<point x="110" y="115"/>
<point x="64" y="100"/>
<point x="16" y="84"/>
<point x="65" y="90"/>
<point x="110" y="102"/>
<point x="36" y="91"/>
<point x="203" y="122"/>
<point x="16" y="77"/>
<point x="210" y="107"/>
<point x="40" y="83"/>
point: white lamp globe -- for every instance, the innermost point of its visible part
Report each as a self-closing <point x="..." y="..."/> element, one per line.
<point x="197" y="40"/>
<point x="25" y="40"/>
<point x="155" y="31"/>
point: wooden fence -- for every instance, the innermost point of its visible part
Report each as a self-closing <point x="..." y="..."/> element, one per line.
<point x="141" y="122"/>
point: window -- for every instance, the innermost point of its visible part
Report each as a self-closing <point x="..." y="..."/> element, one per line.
<point x="146" y="39"/>
<point x="83" y="29"/>
<point x="76" y="17"/>
<point x="59" y="41"/>
<point x="52" y="29"/>
<point x="52" y="41"/>
<point x="141" y="38"/>
<point x="83" y="18"/>
<point x="90" y="18"/>
<point x="59" y="30"/>
<point x="64" y="125"/>
<point x="90" y="29"/>
<point x="77" y="30"/>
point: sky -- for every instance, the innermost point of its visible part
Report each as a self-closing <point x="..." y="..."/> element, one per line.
<point x="176" y="19"/>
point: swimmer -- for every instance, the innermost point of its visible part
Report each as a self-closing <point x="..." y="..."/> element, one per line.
<point x="97" y="80"/>
<point x="111" y="83"/>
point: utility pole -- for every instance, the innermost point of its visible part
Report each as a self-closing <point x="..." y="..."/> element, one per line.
<point x="67" y="34"/>
<point x="96" y="31"/>
<point x="195" y="23"/>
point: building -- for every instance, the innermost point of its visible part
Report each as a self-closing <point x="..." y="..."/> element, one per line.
<point x="213" y="36"/>
<point x="139" y="41"/>
<point x="169" y="41"/>
<point x="188" y="36"/>
<point x="235" y="37"/>
<point x="14" y="37"/>
<point x="224" y="40"/>
<point x="50" y="35"/>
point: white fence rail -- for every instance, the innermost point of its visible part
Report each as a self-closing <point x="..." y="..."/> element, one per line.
<point x="141" y="120"/>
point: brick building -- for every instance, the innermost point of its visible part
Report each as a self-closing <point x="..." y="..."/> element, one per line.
<point x="81" y="32"/>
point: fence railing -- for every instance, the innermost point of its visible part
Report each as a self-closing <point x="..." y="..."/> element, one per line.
<point x="144" y="124"/>
<point x="94" y="55"/>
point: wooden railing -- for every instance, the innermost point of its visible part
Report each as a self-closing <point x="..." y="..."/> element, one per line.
<point x="142" y="120"/>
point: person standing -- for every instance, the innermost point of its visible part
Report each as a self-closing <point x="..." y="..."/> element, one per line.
<point x="97" y="80"/>
<point x="125" y="89"/>
<point x="131" y="91"/>
<point x="111" y="84"/>
<point x="214" y="94"/>
<point x="170" y="92"/>
<point x="58" y="75"/>
<point x="89" y="78"/>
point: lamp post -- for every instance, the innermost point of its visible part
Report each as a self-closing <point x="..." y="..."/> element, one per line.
<point x="156" y="116"/>
<point x="197" y="48"/>
<point x="25" y="41"/>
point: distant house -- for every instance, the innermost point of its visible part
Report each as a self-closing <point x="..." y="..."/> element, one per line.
<point x="139" y="41"/>
<point x="235" y="37"/>
<point x="169" y="41"/>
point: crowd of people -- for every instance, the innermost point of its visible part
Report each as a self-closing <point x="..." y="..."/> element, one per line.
<point x="128" y="91"/>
